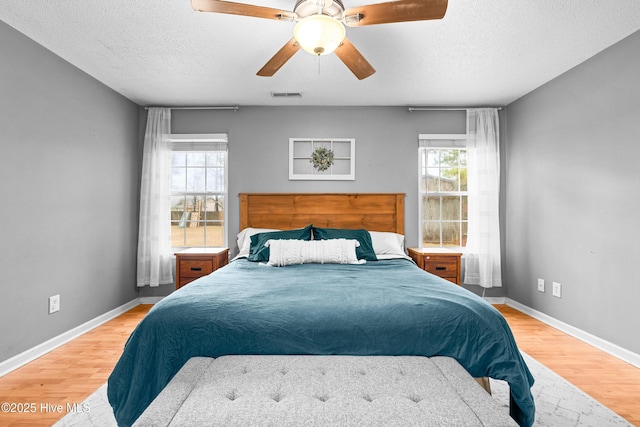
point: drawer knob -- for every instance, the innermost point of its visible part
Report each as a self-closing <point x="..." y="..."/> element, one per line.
<point x="196" y="268"/>
<point x="438" y="267"/>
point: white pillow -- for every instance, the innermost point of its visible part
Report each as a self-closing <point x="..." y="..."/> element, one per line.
<point x="244" y="239"/>
<point x="331" y="251"/>
<point x="388" y="245"/>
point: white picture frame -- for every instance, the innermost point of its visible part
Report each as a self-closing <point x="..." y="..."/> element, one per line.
<point x="344" y="160"/>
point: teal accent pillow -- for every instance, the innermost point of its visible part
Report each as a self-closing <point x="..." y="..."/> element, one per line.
<point x="364" y="251"/>
<point x="259" y="252"/>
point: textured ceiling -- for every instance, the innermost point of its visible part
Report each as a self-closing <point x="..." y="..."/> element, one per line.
<point x="484" y="52"/>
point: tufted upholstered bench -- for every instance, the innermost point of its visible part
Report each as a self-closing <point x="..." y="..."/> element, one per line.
<point x="324" y="391"/>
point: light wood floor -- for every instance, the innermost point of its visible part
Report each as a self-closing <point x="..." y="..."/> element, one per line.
<point x="612" y="382"/>
<point x="72" y="372"/>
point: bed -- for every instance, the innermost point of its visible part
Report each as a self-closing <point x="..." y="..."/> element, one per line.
<point x="387" y="307"/>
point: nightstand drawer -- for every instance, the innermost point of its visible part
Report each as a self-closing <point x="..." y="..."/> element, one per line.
<point x="195" y="268"/>
<point x="438" y="261"/>
<point x="443" y="266"/>
<point x="197" y="262"/>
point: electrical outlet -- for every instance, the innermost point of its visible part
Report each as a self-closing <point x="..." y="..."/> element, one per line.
<point x="541" y="285"/>
<point x="557" y="290"/>
<point x="54" y="304"/>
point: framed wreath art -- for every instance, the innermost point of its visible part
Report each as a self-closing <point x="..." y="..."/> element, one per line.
<point x="321" y="159"/>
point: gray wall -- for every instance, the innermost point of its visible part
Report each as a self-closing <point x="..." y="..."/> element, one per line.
<point x="573" y="195"/>
<point x="69" y="165"/>
<point x="386" y="148"/>
<point x="386" y="151"/>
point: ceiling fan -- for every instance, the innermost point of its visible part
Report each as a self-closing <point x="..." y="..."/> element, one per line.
<point x="320" y="26"/>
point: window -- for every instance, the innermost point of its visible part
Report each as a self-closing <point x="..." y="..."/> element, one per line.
<point x="459" y="194"/>
<point x="443" y="191"/>
<point x="198" y="190"/>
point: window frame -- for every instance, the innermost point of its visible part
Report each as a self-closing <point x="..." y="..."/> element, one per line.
<point x="298" y="153"/>
<point x="200" y="143"/>
<point x="438" y="141"/>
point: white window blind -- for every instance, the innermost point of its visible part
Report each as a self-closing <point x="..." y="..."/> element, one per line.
<point x="443" y="140"/>
<point x="199" y="142"/>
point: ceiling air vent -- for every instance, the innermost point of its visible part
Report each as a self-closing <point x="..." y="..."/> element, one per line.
<point x="286" y="94"/>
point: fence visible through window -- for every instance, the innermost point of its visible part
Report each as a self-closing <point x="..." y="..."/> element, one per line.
<point x="198" y="195"/>
<point x="443" y="196"/>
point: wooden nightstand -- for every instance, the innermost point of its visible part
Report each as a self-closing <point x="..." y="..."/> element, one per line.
<point x="439" y="261"/>
<point x="197" y="262"/>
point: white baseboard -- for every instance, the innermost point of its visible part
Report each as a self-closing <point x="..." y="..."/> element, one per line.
<point x="610" y="348"/>
<point x="495" y="300"/>
<point x="41" y="349"/>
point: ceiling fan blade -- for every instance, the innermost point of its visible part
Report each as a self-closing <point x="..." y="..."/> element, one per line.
<point x="354" y="60"/>
<point x="231" y="8"/>
<point x="395" y="11"/>
<point x="280" y="58"/>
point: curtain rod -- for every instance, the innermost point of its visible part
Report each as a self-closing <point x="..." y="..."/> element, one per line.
<point x="234" y="108"/>
<point x="412" y="109"/>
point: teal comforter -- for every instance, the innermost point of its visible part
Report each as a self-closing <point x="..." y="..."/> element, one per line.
<point x="380" y="308"/>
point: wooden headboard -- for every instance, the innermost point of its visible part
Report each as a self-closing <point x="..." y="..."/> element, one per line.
<point x="372" y="211"/>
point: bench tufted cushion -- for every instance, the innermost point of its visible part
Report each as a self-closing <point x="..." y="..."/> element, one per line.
<point x="323" y="390"/>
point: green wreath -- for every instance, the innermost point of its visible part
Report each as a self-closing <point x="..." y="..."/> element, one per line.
<point x="322" y="158"/>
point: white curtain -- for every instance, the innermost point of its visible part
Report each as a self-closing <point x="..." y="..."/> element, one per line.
<point x="155" y="259"/>
<point x="482" y="253"/>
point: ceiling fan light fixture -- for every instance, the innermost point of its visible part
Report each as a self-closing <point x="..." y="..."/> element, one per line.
<point x="319" y="34"/>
